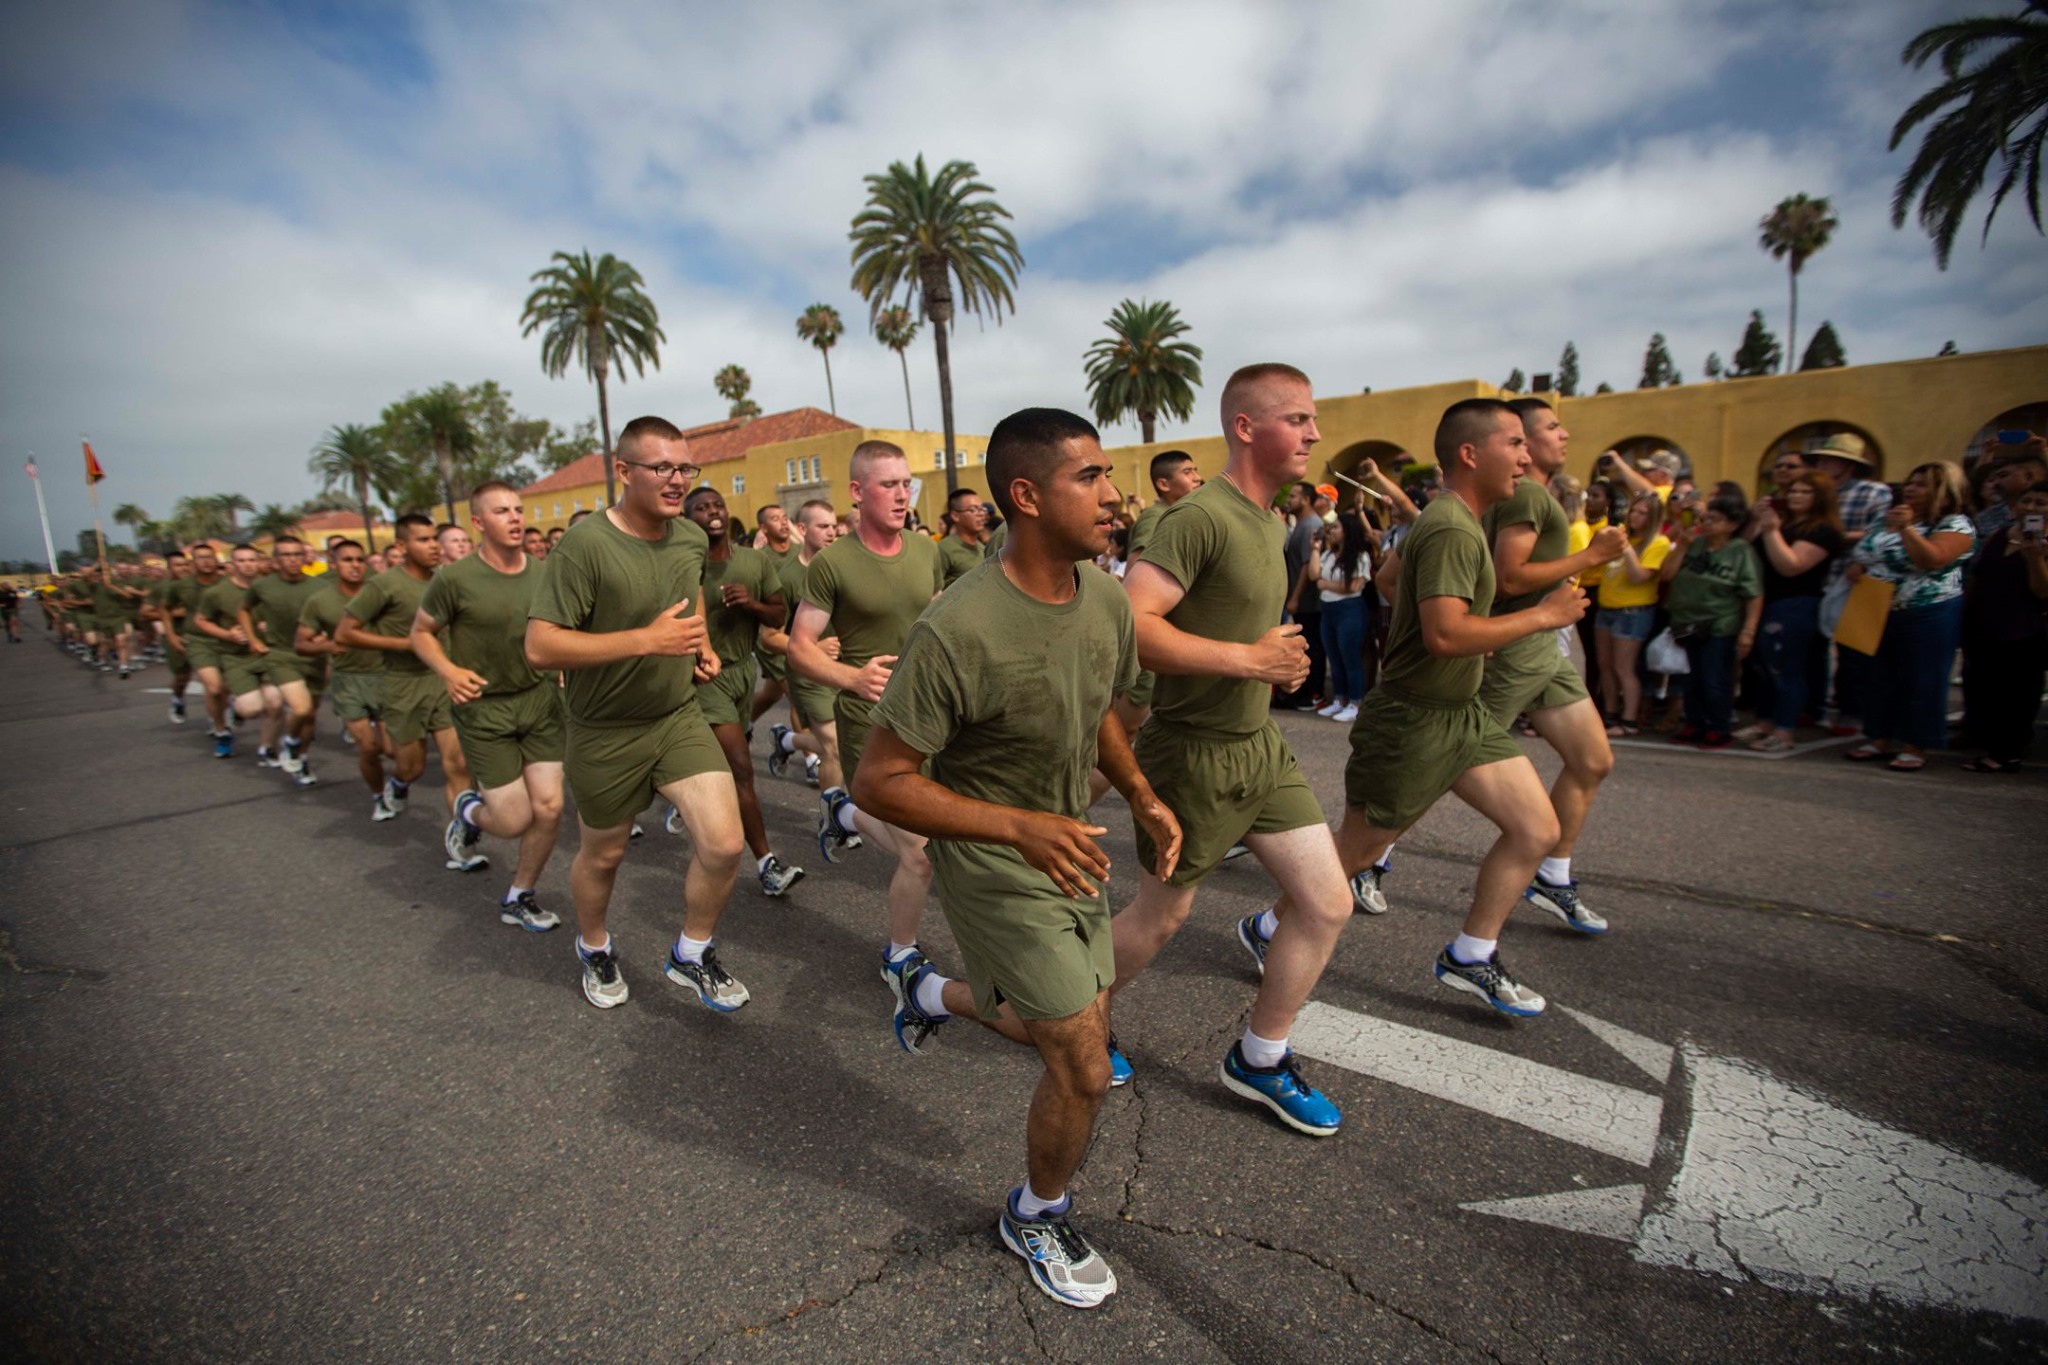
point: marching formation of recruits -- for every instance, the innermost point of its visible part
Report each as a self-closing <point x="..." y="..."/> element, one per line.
<point x="960" y="705"/>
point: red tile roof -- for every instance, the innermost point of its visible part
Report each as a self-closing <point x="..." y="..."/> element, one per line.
<point x="321" y="523"/>
<point x="711" y="444"/>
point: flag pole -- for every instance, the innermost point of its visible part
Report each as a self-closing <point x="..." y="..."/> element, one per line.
<point x="36" y="478"/>
<point x="92" y="488"/>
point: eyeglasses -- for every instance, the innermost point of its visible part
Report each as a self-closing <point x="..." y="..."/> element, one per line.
<point x="665" y="471"/>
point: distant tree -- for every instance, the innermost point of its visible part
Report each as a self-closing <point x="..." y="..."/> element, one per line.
<point x="732" y="383"/>
<point x="597" y="314"/>
<point x="433" y="432"/>
<point x="1792" y="233"/>
<point x="1824" y="352"/>
<point x="1759" y="352"/>
<point x="1515" y="382"/>
<point x="131" y="516"/>
<point x="1947" y="348"/>
<point x="198" y="517"/>
<point x="231" y="506"/>
<point x="1604" y="387"/>
<point x="505" y="441"/>
<point x="820" y="325"/>
<point x="355" y="458"/>
<point x="1712" y="369"/>
<point x="896" y="327"/>
<point x="274" y="520"/>
<point x="1568" y="372"/>
<point x="562" y="448"/>
<point x="1141" y="369"/>
<point x="1658" y="371"/>
<point x="2002" y="116"/>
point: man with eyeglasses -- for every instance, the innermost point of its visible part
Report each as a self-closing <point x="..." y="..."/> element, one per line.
<point x="966" y="541"/>
<point x="621" y="613"/>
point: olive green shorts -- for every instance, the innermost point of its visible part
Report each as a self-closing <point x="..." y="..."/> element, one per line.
<point x="774" y="667"/>
<point x="1021" y="942"/>
<point x="811" y="702"/>
<point x="1405" y="754"/>
<point x="107" y="627"/>
<point x="245" y="673"/>
<point x="1530" y="675"/>
<point x="614" y="771"/>
<point x="415" y="705"/>
<point x="1140" y="694"/>
<point x="854" y="716"/>
<point x="285" y="666"/>
<point x="175" y="657"/>
<point x="501" y="735"/>
<point x="314" y="673"/>
<point x="1221" y="789"/>
<point x="358" y="695"/>
<point x="201" y="651"/>
<point x="728" y="699"/>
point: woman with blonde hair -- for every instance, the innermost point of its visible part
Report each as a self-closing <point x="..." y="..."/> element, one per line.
<point x="1628" y="609"/>
<point x="1920" y="548"/>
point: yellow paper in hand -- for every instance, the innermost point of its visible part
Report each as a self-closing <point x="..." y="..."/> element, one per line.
<point x="1864" y="614"/>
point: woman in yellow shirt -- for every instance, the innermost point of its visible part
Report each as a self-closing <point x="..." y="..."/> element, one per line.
<point x="1586" y="506"/>
<point x="1628" y="607"/>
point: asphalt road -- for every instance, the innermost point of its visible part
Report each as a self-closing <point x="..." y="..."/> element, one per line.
<point x="276" y="1086"/>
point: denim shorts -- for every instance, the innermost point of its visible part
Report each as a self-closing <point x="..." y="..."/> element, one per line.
<point x="1627" y="623"/>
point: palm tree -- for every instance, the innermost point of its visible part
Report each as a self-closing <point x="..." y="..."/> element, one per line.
<point x="597" y="314"/>
<point x="1139" y="367"/>
<point x="919" y="235"/>
<point x="2003" y="114"/>
<point x="199" y="518"/>
<point x="896" y="327"/>
<point x="1793" y="232"/>
<point x="351" y="456"/>
<point x="133" y="517"/>
<point x="732" y="384"/>
<point x="439" y="421"/>
<point x="820" y="325"/>
<point x="230" y="505"/>
<point x="274" y="520"/>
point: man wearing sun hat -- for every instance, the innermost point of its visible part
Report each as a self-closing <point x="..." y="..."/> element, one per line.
<point x="1845" y="457"/>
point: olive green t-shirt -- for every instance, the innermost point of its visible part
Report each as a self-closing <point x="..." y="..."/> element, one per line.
<point x="274" y="607"/>
<point x="386" y="606"/>
<point x="787" y="555"/>
<point x="222" y="605"/>
<point x="872" y="600"/>
<point x="1445" y="554"/>
<point x="1712" y="587"/>
<point x="107" y="604"/>
<point x="1225" y="551"/>
<point x="1141" y="531"/>
<point x="735" y="630"/>
<point x="182" y="601"/>
<point x="483" y="612"/>
<point x="960" y="558"/>
<point x="163" y="596"/>
<point x="601" y="579"/>
<point x="322" y="614"/>
<point x="1007" y="694"/>
<point x="128" y="603"/>
<point x="1529" y="505"/>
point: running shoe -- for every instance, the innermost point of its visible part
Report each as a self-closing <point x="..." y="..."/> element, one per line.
<point x="394" y="796"/>
<point x="381" y="808"/>
<point x="1281" y="1089"/>
<point x="1489" y="980"/>
<point x="178" y="712"/>
<point x="638" y="832"/>
<point x="833" y="839"/>
<point x="459" y="839"/>
<point x="1062" y="1262"/>
<point x="289" y="759"/>
<point x="714" y="985"/>
<point x="1248" y="935"/>
<point x="1347" y="715"/>
<point x="265" y="758"/>
<point x="811" y="770"/>
<point x="1563" y="901"/>
<point x="1366" y="895"/>
<point x="602" y="984"/>
<point x="304" y="776"/>
<point x="777" y="877"/>
<point x="526" y="913"/>
<point x="673" y="821"/>
<point x="778" y="757"/>
<point x="1120" y="1068"/>
<point x="224" y="744"/>
<point x="912" y="1024"/>
<point x="1330" y="710"/>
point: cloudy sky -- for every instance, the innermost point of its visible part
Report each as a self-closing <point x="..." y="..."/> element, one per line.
<point x="230" y="226"/>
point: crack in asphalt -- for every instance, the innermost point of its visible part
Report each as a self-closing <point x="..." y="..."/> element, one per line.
<point x="137" y="822"/>
<point x="15" y="963"/>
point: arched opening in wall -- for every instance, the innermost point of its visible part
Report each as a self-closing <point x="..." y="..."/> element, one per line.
<point x="1807" y="438"/>
<point x="1637" y="449"/>
<point x="2010" y="429"/>
<point x="1390" y="459"/>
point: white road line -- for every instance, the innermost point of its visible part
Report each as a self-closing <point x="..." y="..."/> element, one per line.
<point x="1647" y="1053"/>
<point x="1612" y="1213"/>
<point x="1607" y="1118"/>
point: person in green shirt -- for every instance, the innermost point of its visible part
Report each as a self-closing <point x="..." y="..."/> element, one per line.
<point x="1174" y="476"/>
<point x="775" y="537"/>
<point x="1426" y="730"/>
<point x="1002" y="695"/>
<point x="202" y="649"/>
<point x="1715" y="601"/>
<point x="1207" y="598"/>
<point x="966" y="541"/>
<point x="380" y="617"/>
<point x="1530" y="535"/>
<point x="869" y="588"/>
<point x="742" y="595"/>
<point x="167" y="606"/>
<point x="217" y="614"/>
<point x="812" y="730"/>
<point x="508" y="717"/>
<point x="621" y="611"/>
<point x="356" y="687"/>
<point x="275" y="667"/>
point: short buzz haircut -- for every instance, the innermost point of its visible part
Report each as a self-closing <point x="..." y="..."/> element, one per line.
<point x="176" y="554"/>
<point x="1525" y="408"/>
<point x="960" y="493"/>
<point x="1166" y="462"/>
<point x="344" y="543"/>
<point x="489" y="486"/>
<point x="240" y="546"/>
<point x="818" y="503"/>
<point x="700" y="491"/>
<point x="444" y="528"/>
<point x="868" y="453"/>
<point x="1250" y="377"/>
<point x="286" y="539"/>
<point x="575" y="517"/>
<point x="646" y="429"/>
<point x="761" y="513"/>
<point x="411" y="519"/>
<point x="1026" y="445"/>
<point x="1467" y="422"/>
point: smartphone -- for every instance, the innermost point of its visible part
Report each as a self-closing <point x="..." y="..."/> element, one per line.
<point x="2015" y="437"/>
<point x="2030" y="526"/>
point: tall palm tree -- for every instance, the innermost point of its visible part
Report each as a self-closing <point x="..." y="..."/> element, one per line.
<point x="230" y="506"/>
<point x="1140" y="369"/>
<point x="353" y="457"/>
<point x="199" y="518"/>
<point x="896" y="327"/>
<point x="1792" y="233"/>
<point x="274" y="520"/>
<point x="440" y="422"/>
<point x="597" y="314"/>
<point x="921" y="234"/>
<point x="2003" y="115"/>
<point x="820" y="325"/>
<point x="135" y="518"/>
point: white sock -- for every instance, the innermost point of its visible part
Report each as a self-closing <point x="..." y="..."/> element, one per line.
<point x="1268" y="922"/>
<point x="931" y="996"/>
<point x="899" y="951"/>
<point x="1029" y="1205"/>
<point x="845" y="817"/>
<point x="1556" y="871"/>
<point x="1469" y="950"/>
<point x="761" y="863"/>
<point x="514" y="894"/>
<point x="785" y="742"/>
<point x="1263" y="1053"/>
<point x="466" y="813"/>
<point x="691" y="949"/>
<point x="587" y="946"/>
<point x="1386" y="860"/>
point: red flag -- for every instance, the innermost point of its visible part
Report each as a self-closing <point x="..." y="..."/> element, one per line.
<point x="31" y="467"/>
<point x="93" y="472"/>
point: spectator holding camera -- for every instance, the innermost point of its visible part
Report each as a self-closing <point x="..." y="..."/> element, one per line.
<point x="1628" y="610"/>
<point x="2005" y="634"/>
<point x="1798" y="548"/>
<point x="1716" y="600"/>
<point x="1920" y="548"/>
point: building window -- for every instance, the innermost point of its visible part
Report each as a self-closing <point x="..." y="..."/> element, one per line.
<point x="558" y="511"/>
<point x="739" y="484"/>
<point x="789" y="471"/>
<point x="938" y="459"/>
<point x="578" y="507"/>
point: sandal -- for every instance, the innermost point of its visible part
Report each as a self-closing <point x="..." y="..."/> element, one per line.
<point x="1760" y="730"/>
<point x="1773" y="743"/>
<point x="1906" y="763"/>
<point x="1988" y="764"/>
<point x="1624" y="729"/>
<point x="1867" y="753"/>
